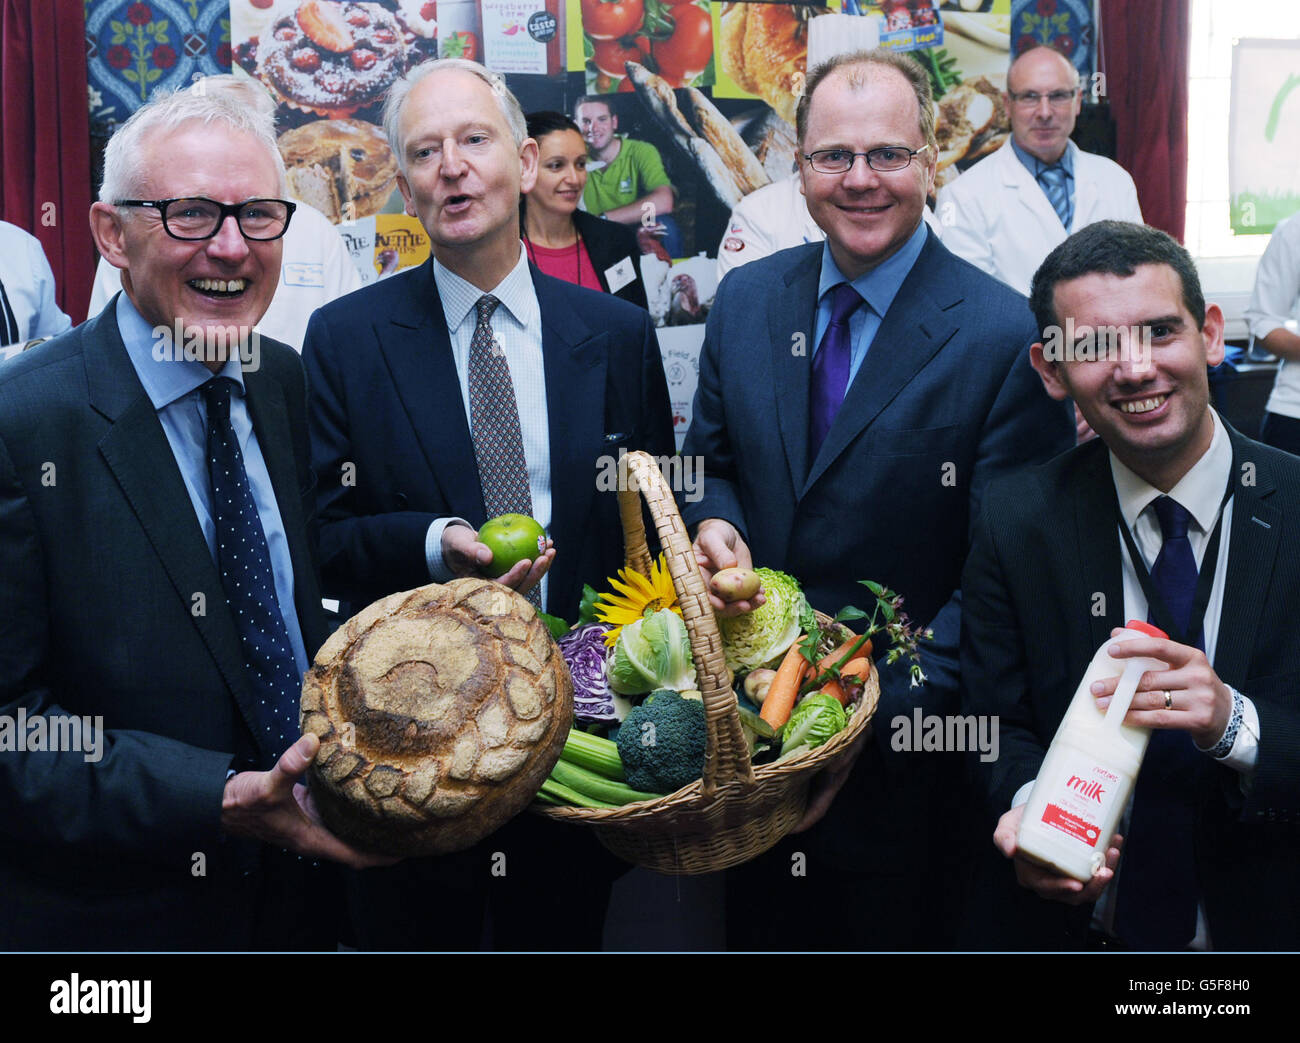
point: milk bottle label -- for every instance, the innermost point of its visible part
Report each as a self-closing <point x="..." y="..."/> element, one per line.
<point x="1083" y="798"/>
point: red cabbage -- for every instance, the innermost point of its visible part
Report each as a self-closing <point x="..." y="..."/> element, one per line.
<point x="584" y="651"/>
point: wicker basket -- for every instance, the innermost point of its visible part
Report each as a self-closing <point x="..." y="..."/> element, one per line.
<point x="735" y="811"/>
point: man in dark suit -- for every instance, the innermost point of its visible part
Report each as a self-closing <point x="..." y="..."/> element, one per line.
<point x="160" y="816"/>
<point x="1067" y="551"/>
<point x="417" y="442"/>
<point x="863" y="459"/>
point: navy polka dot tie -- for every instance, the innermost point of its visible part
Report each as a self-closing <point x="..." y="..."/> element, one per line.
<point x="245" y="565"/>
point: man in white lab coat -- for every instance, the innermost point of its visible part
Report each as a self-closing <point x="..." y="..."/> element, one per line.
<point x="1008" y="211"/>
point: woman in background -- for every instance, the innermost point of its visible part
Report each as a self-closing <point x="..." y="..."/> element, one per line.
<point x="563" y="241"/>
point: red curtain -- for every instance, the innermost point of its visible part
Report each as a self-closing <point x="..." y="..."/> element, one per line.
<point x="1145" y="50"/>
<point x="45" y="138"/>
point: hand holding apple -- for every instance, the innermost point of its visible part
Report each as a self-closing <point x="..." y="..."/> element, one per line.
<point x="512" y="549"/>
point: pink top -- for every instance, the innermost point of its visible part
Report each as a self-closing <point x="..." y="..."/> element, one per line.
<point x="569" y="263"/>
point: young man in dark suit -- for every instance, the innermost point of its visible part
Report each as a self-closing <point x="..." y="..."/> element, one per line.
<point x="167" y="817"/>
<point x="855" y="398"/>
<point x="1170" y="515"/>
<point x="444" y="396"/>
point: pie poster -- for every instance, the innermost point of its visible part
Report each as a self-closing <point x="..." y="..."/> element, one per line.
<point x="329" y="64"/>
<point x="1263" y="147"/>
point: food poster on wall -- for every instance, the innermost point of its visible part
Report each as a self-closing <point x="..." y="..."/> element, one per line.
<point x="1263" y="148"/>
<point x="329" y="65"/>
<point x="672" y="38"/>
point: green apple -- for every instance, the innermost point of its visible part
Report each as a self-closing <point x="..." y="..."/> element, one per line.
<point x="512" y="538"/>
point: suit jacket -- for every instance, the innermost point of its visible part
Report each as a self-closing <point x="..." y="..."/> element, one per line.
<point x="110" y="604"/>
<point x="1046" y="546"/>
<point x="998" y="217"/>
<point x="607" y="243"/>
<point x="944" y="400"/>
<point x="386" y="399"/>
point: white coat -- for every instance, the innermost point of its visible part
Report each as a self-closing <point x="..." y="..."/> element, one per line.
<point x="996" y="215"/>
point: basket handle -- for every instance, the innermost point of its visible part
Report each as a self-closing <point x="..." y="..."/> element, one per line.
<point x="726" y="757"/>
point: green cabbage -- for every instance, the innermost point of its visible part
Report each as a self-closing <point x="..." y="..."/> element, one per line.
<point x="762" y="636"/>
<point x="653" y="652"/>
<point x="814" y="720"/>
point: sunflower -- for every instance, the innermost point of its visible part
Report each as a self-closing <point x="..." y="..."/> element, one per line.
<point x="637" y="597"/>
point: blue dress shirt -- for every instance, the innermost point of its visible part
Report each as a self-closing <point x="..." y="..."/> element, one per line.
<point x="1035" y="166"/>
<point x="174" y="388"/>
<point x="877" y="287"/>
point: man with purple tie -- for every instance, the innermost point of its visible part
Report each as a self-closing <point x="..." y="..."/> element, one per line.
<point x="855" y="396"/>
<point x="1170" y="515"/>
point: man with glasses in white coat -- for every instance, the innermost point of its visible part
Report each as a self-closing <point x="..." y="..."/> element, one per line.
<point x="1009" y="210"/>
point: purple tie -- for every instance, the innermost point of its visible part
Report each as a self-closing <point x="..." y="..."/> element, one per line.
<point x="830" y="376"/>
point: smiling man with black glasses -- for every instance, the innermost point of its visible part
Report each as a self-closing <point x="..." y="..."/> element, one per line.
<point x="157" y="582"/>
<point x="1007" y="212"/>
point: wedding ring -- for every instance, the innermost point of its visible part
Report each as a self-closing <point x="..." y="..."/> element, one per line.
<point x="1169" y="700"/>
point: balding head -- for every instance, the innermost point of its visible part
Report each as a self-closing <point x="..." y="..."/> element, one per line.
<point x="1043" y="101"/>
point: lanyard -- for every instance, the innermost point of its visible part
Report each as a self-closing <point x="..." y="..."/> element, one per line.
<point x="1204" y="582"/>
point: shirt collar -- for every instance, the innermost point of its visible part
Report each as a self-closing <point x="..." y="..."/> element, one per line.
<point x="1036" y="166"/>
<point x="515" y="292"/>
<point x="159" y="360"/>
<point x="879" y="286"/>
<point x="1200" y="490"/>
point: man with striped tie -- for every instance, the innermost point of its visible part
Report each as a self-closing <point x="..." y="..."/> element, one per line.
<point x="1008" y="210"/>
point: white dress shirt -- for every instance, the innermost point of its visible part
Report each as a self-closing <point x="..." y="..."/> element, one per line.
<point x="517" y="326"/>
<point x="28" y="287"/>
<point x="1275" y="302"/>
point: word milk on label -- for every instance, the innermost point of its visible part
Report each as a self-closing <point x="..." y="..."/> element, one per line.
<point x="1088" y="773"/>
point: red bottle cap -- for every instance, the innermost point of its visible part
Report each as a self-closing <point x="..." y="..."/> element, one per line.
<point x="1146" y="628"/>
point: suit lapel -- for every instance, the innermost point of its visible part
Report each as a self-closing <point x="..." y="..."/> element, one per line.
<point x="575" y="364"/>
<point x="1253" y="549"/>
<point x="417" y="348"/>
<point x="919" y="322"/>
<point x="1031" y="195"/>
<point x="1097" y="564"/>
<point x="137" y="452"/>
<point x="792" y="368"/>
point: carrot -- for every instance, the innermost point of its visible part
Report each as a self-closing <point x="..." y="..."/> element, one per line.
<point x="820" y="679"/>
<point x="853" y="675"/>
<point x="784" y="689"/>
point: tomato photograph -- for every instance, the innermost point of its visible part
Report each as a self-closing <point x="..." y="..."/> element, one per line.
<point x="671" y="38"/>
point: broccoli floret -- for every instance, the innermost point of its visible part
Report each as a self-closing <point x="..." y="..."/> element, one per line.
<point x="662" y="741"/>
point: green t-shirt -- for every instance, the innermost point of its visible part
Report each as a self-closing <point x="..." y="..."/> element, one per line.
<point x="636" y="171"/>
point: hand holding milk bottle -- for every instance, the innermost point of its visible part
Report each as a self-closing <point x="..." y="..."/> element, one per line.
<point x="1087" y="777"/>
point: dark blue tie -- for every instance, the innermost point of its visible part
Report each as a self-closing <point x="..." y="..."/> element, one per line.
<point x="830" y="376"/>
<point x="1156" y="904"/>
<point x="1055" y="181"/>
<point x="246" y="575"/>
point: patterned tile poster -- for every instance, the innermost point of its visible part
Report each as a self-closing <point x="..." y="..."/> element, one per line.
<point x="134" y="47"/>
<point x="1066" y="25"/>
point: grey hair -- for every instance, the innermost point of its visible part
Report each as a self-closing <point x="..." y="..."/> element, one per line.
<point x="240" y="88"/>
<point x="124" y="156"/>
<point x="400" y="91"/>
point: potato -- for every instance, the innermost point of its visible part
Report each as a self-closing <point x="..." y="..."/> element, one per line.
<point x="735" y="584"/>
<point x="757" y="684"/>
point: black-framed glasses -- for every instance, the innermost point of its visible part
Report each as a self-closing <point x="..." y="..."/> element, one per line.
<point x="196" y="218"/>
<point x="1030" y="99"/>
<point x="883" y="160"/>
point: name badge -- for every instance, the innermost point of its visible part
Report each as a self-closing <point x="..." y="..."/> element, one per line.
<point x="619" y="275"/>
<point x="299" y="273"/>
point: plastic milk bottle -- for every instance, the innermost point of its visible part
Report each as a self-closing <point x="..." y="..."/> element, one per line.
<point x="1088" y="773"/>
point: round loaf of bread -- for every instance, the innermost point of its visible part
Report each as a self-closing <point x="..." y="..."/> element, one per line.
<point x="441" y="711"/>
